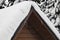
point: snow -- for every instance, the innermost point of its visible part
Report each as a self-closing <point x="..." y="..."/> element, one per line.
<point x="11" y="17"/>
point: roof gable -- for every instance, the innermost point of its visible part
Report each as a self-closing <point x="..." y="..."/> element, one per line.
<point x="34" y="21"/>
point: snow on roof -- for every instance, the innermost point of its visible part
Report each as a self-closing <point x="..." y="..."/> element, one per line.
<point x="44" y="17"/>
<point x="11" y="17"/>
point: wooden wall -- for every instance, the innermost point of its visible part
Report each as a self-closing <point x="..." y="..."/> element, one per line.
<point x="27" y="34"/>
<point x="36" y="22"/>
<point x="34" y="29"/>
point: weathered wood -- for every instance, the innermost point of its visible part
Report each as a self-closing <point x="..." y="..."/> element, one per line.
<point x="34" y="29"/>
<point x="40" y="27"/>
<point x="27" y="34"/>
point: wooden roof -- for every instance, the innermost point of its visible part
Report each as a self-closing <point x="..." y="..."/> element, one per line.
<point x="34" y="23"/>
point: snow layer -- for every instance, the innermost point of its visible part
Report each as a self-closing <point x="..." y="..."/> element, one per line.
<point x="11" y="17"/>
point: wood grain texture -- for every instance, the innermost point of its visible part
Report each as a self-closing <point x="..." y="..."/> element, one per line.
<point x="27" y="34"/>
<point x="34" y="29"/>
<point x="40" y="27"/>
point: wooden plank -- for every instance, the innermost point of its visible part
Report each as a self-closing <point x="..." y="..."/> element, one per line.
<point x="26" y="34"/>
<point x="38" y="24"/>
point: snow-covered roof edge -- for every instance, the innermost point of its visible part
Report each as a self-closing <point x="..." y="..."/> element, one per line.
<point x="11" y="18"/>
<point x="43" y="16"/>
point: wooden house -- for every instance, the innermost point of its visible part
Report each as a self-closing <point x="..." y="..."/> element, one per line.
<point x="33" y="27"/>
<point x="25" y="21"/>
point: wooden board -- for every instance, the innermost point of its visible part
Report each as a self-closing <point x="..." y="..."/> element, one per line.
<point x="34" y="29"/>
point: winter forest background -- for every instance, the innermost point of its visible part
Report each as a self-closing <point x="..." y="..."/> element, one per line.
<point x="51" y="9"/>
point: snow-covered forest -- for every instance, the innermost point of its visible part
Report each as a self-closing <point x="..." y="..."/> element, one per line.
<point x="8" y="3"/>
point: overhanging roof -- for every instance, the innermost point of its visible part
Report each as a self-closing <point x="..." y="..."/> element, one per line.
<point x="12" y="17"/>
